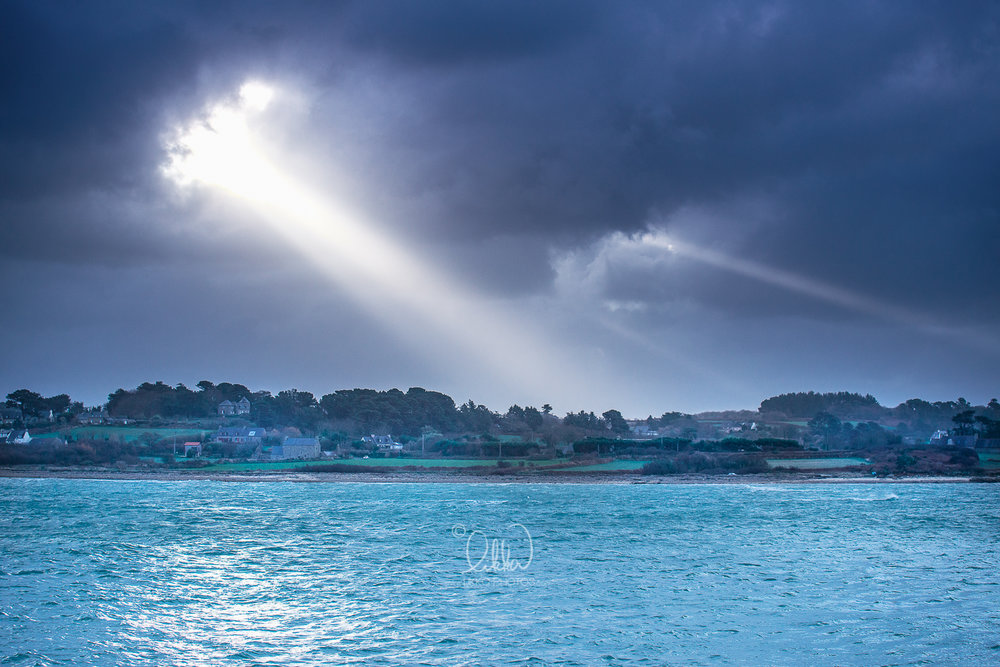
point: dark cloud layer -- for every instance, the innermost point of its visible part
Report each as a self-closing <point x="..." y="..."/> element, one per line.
<point x="856" y="145"/>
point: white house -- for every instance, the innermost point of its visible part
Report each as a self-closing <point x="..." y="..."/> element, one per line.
<point x="383" y="442"/>
<point x="19" y="437"/>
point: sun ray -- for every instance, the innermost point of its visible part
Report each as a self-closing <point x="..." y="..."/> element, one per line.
<point x="816" y="289"/>
<point x="425" y="306"/>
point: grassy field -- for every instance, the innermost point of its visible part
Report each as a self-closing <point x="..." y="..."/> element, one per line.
<point x="989" y="460"/>
<point x="816" y="464"/>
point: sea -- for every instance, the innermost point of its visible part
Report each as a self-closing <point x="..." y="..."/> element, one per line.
<point x="118" y="572"/>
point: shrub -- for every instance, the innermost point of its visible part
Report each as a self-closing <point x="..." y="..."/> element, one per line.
<point x="334" y="467"/>
<point x="705" y="462"/>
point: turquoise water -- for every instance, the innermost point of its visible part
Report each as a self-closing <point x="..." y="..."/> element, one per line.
<point x="195" y="573"/>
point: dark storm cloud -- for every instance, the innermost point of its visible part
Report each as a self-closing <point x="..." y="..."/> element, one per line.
<point x="869" y="126"/>
<point x="854" y="144"/>
<point x="78" y="95"/>
<point x="572" y="118"/>
<point x="449" y="33"/>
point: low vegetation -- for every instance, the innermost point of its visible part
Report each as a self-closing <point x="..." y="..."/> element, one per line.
<point x="706" y="462"/>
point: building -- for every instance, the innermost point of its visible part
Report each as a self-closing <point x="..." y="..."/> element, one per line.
<point x="231" y="409"/>
<point x="192" y="447"/>
<point x="296" y="448"/>
<point x="10" y="415"/>
<point x="92" y="417"/>
<point x="241" y="435"/>
<point x="383" y="442"/>
<point x="18" y="436"/>
<point x="644" y="431"/>
<point x="939" y="438"/>
<point x="945" y="438"/>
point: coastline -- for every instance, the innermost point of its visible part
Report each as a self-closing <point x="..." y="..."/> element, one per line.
<point x="436" y="477"/>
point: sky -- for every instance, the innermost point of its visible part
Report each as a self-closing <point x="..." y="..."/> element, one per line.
<point x="644" y="206"/>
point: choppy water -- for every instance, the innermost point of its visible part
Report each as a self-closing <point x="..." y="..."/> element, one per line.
<point x="123" y="572"/>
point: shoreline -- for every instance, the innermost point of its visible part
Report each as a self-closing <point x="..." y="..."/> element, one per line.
<point x="435" y="477"/>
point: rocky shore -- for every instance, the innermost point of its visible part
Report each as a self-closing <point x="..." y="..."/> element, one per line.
<point x="438" y="477"/>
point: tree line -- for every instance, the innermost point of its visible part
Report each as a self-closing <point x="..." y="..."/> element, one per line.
<point x="850" y="406"/>
<point x="418" y="411"/>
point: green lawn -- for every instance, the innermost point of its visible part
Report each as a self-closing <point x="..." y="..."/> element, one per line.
<point x="989" y="460"/>
<point x="817" y="464"/>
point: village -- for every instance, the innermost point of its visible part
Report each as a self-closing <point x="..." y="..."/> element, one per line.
<point x="419" y="428"/>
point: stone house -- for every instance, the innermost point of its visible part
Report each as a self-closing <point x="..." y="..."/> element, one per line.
<point x="296" y="448"/>
<point x="234" y="409"/>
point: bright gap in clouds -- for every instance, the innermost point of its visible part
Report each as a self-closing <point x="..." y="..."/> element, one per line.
<point x="455" y="328"/>
<point x="256" y="95"/>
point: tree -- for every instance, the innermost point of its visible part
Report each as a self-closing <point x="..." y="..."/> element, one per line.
<point x="476" y="418"/>
<point x="547" y="409"/>
<point x="842" y="403"/>
<point x="58" y="404"/>
<point x="826" y="428"/>
<point x="990" y="428"/>
<point x="515" y="412"/>
<point x="615" y="422"/>
<point x="514" y="420"/>
<point x="533" y="418"/>
<point x="30" y="403"/>
<point x="870" y="435"/>
<point x="964" y="421"/>
<point x="402" y="413"/>
<point x="298" y="408"/>
<point x="585" y="420"/>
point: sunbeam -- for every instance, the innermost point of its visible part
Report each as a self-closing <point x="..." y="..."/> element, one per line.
<point x="810" y="287"/>
<point x="427" y="309"/>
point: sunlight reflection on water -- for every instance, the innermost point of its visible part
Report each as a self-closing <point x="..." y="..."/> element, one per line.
<point x="231" y="573"/>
